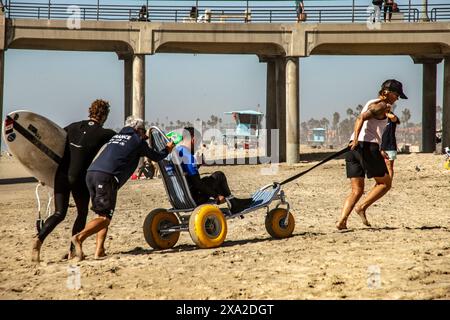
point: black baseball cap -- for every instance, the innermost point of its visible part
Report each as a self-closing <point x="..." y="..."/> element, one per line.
<point x="394" y="86"/>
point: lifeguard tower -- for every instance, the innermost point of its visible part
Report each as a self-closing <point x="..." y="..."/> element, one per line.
<point x="317" y="137"/>
<point x="248" y="125"/>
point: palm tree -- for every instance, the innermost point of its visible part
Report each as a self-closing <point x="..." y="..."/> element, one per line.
<point x="212" y="122"/>
<point x="336" y="118"/>
<point x="438" y="117"/>
<point x="358" y="109"/>
<point x="350" y="113"/>
<point x="304" y="131"/>
<point x="325" y="123"/>
<point x="406" y="115"/>
<point x="346" y="127"/>
<point x="313" y="123"/>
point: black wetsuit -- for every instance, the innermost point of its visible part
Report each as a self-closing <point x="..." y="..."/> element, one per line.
<point x="84" y="140"/>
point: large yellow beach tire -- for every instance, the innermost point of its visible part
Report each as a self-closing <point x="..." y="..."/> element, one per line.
<point x="207" y="226"/>
<point x="275" y="223"/>
<point x="447" y="165"/>
<point x="155" y="221"/>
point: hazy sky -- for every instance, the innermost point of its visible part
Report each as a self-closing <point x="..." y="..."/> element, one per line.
<point x="61" y="85"/>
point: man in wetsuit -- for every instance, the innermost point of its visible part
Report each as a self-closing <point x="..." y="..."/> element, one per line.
<point x="84" y="140"/>
<point x="213" y="186"/>
<point x="108" y="173"/>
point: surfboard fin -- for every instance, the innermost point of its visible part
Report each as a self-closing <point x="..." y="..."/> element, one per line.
<point x="39" y="224"/>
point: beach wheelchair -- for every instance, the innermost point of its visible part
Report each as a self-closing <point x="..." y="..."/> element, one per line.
<point x="206" y="223"/>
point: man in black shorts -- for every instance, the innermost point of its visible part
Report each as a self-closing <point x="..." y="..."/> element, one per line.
<point x="108" y="173"/>
<point x="365" y="158"/>
<point x="84" y="140"/>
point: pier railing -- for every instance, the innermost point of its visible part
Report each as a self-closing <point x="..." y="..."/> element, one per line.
<point x="255" y="13"/>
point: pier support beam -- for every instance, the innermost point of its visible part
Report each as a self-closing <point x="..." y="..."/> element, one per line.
<point x="428" y="103"/>
<point x="446" y="105"/>
<point x="138" y="107"/>
<point x="127" y="83"/>
<point x="281" y="106"/>
<point x="128" y="86"/>
<point x="271" y="104"/>
<point x="2" y="70"/>
<point x="292" y="111"/>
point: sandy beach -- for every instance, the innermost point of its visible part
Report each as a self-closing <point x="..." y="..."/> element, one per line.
<point x="409" y="242"/>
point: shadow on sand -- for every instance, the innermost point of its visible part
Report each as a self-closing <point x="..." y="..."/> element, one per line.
<point x="17" y="180"/>
<point x="227" y="243"/>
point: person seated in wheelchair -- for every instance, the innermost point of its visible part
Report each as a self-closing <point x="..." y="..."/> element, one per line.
<point x="213" y="186"/>
<point x="147" y="170"/>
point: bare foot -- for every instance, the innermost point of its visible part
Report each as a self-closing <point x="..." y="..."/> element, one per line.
<point x="100" y="254"/>
<point x="78" y="249"/>
<point x="36" y="251"/>
<point x="362" y="214"/>
<point x="341" y="225"/>
<point x="69" y="256"/>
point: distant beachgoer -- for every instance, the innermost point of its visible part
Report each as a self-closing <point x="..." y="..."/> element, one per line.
<point x="377" y="4"/>
<point x="193" y="14"/>
<point x="143" y="13"/>
<point x="108" y="173"/>
<point x="147" y="169"/>
<point x="388" y="4"/>
<point x="389" y="143"/>
<point x="395" y="7"/>
<point x="300" y="8"/>
<point x="84" y="140"/>
<point x="365" y="158"/>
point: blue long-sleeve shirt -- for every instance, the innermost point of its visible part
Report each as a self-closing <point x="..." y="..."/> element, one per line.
<point x="121" y="155"/>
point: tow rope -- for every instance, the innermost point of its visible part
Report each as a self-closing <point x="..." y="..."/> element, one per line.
<point x="334" y="155"/>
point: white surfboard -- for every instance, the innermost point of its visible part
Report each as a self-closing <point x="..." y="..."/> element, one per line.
<point x="37" y="142"/>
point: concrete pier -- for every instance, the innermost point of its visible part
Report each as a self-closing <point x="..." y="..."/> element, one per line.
<point x="281" y="106"/>
<point x="139" y="86"/>
<point x="428" y="102"/>
<point x="128" y="85"/>
<point x="263" y="39"/>
<point x="446" y="105"/>
<point x="271" y="104"/>
<point x="292" y="111"/>
<point x="429" y="107"/>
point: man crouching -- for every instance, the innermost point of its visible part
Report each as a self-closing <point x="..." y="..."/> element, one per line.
<point x="108" y="173"/>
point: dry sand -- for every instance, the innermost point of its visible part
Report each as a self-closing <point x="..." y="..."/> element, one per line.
<point x="409" y="242"/>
